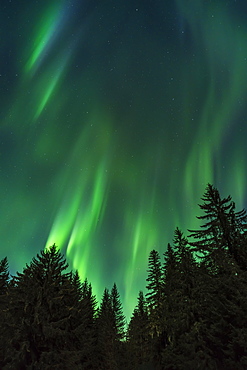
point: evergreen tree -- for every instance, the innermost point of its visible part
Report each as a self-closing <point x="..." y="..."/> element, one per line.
<point x="44" y="315"/>
<point x="221" y="311"/>
<point x="154" y="295"/>
<point x="4" y="276"/>
<point x="86" y="331"/>
<point x="170" y="287"/>
<point x="175" y="288"/>
<point x="238" y="222"/>
<point x="184" y="293"/>
<point x="138" y="335"/>
<point x="186" y="265"/>
<point x="224" y="231"/>
<point x="110" y="326"/>
<point x="106" y="334"/>
<point x="119" y="325"/>
<point x="119" y="318"/>
<point x="4" y="302"/>
<point x="154" y="280"/>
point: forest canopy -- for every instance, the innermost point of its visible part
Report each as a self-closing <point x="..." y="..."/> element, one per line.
<point x="193" y="316"/>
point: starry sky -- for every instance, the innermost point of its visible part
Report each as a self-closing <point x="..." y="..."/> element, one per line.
<point x="114" y="117"/>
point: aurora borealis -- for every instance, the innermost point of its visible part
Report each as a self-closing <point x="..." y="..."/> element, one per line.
<point x="114" y="117"/>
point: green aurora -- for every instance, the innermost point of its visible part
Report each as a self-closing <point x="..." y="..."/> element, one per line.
<point x="114" y="118"/>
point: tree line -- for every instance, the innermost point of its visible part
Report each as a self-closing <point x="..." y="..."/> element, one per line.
<point x="193" y="316"/>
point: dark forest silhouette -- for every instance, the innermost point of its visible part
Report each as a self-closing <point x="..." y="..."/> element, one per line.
<point x="194" y="315"/>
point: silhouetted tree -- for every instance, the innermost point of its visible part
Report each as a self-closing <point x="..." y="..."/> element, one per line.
<point x="106" y="334"/>
<point x="154" y="296"/>
<point x="222" y="247"/>
<point x="170" y="287"/>
<point x="119" y="317"/>
<point x="88" y="334"/>
<point x="5" y="334"/>
<point x="184" y="293"/>
<point x="44" y="313"/>
<point x="4" y="276"/>
<point x="119" y="324"/>
<point x="110" y="329"/>
<point x="138" y="335"/>
<point x="224" y="231"/>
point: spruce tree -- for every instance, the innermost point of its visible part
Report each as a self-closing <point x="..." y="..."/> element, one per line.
<point x="222" y="310"/>
<point x="106" y="334"/>
<point x="154" y="280"/>
<point x="119" y="318"/>
<point x="179" y="285"/>
<point x="184" y="293"/>
<point x="154" y="295"/>
<point x="138" y="336"/>
<point x="87" y="330"/>
<point x="110" y="330"/>
<point x="170" y="287"/>
<point x="4" y="276"/>
<point x="223" y="233"/>
<point x="119" y="326"/>
<point x="44" y="315"/>
<point x="5" y="333"/>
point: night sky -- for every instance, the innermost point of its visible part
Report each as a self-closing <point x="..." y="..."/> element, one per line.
<point x="114" y="117"/>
